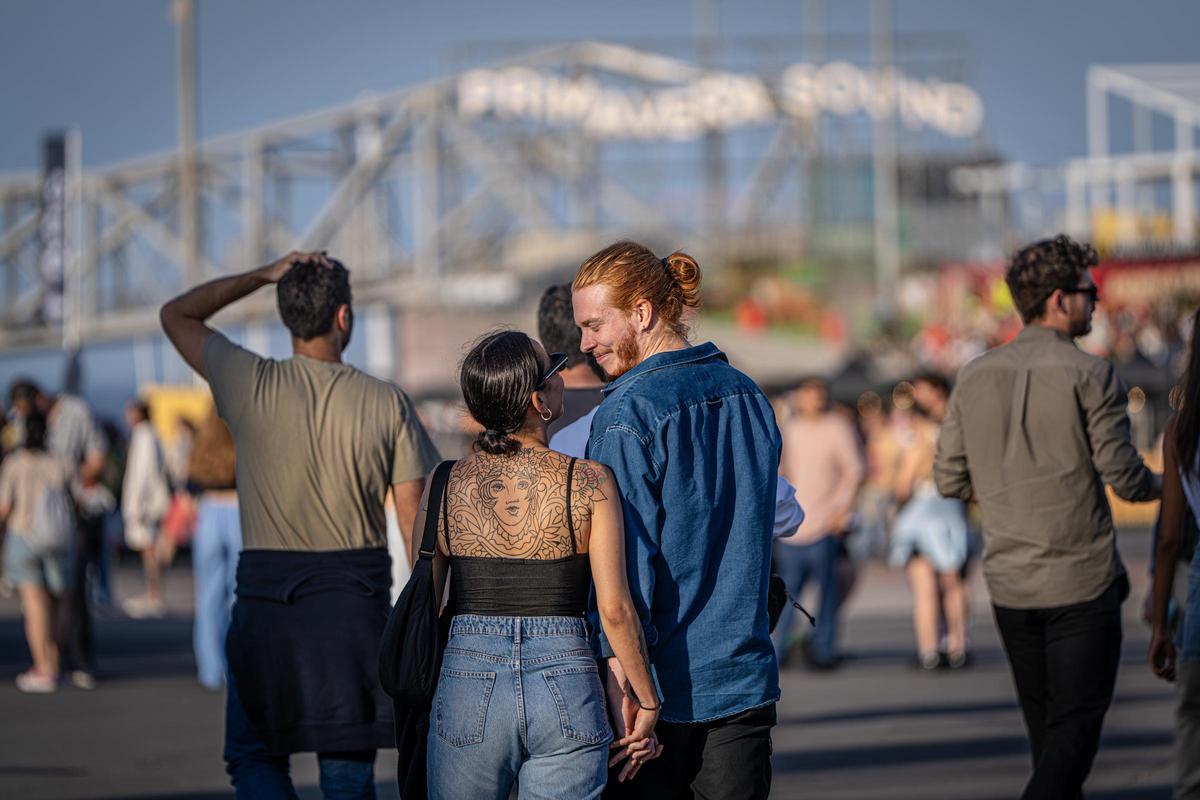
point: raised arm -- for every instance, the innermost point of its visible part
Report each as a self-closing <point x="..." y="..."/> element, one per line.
<point x="184" y="318"/>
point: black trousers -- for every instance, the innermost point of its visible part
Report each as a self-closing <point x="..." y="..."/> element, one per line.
<point x="1064" y="664"/>
<point x="726" y="759"/>
<point x="77" y="648"/>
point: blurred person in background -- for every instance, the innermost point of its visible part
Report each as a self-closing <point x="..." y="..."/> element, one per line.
<point x="10" y="433"/>
<point x="211" y="470"/>
<point x="558" y="332"/>
<point x="178" y="454"/>
<point x="73" y="436"/>
<point x="876" y="501"/>
<point x="145" y="498"/>
<point x="7" y="445"/>
<point x="179" y="523"/>
<point x="930" y="538"/>
<point x="34" y="484"/>
<point x="583" y="378"/>
<point x="112" y="529"/>
<point x="1174" y="653"/>
<point x="822" y="460"/>
<point x="1034" y="430"/>
<point x="318" y="445"/>
<point x="679" y="423"/>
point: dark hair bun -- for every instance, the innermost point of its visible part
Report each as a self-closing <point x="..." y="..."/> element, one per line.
<point x="497" y="443"/>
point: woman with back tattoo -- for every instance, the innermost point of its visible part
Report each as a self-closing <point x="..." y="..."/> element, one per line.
<point x="526" y="534"/>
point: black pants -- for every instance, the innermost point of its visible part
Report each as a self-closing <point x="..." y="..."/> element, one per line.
<point x="76" y="646"/>
<point x="726" y="759"/>
<point x="1064" y="664"/>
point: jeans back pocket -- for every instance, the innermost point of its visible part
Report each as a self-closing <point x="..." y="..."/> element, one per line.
<point x="460" y="715"/>
<point x="580" y="701"/>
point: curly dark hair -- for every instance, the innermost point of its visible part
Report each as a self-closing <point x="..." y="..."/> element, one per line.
<point x="309" y="296"/>
<point x="1039" y="269"/>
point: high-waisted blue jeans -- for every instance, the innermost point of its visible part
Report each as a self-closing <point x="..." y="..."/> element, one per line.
<point x="518" y="699"/>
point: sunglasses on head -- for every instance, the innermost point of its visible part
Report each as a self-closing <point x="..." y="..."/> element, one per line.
<point x="558" y="361"/>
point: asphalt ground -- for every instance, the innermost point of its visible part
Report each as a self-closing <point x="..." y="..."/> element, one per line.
<point x="875" y="729"/>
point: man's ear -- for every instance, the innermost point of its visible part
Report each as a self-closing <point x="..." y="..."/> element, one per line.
<point x="643" y="314"/>
<point x="344" y="316"/>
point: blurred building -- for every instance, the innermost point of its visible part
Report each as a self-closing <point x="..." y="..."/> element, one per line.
<point x="456" y="201"/>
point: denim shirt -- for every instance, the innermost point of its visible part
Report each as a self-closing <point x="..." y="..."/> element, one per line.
<point x="694" y="447"/>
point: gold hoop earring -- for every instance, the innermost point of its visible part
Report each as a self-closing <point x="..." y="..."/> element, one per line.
<point x="546" y="417"/>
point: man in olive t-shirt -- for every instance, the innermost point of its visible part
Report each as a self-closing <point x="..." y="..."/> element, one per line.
<point x="319" y="444"/>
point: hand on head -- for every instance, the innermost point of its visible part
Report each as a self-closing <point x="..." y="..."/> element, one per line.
<point x="275" y="271"/>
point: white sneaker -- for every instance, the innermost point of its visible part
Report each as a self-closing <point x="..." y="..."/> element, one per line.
<point x="32" y="682"/>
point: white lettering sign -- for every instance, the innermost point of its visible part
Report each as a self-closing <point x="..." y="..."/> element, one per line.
<point x="719" y="101"/>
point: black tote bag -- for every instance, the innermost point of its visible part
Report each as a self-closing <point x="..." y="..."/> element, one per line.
<point x="410" y="653"/>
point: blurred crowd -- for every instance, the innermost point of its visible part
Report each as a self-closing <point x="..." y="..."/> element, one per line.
<point x="864" y="475"/>
<point x="77" y="491"/>
<point x="1129" y="333"/>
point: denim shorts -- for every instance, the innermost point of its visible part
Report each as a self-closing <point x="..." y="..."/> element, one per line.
<point x="22" y="565"/>
<point x="518" y="699"/>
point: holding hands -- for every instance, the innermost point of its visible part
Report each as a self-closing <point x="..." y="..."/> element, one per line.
<point x="636" y="742"/>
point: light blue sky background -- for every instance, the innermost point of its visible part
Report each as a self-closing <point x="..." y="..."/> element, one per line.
<point x="109" y="65"/>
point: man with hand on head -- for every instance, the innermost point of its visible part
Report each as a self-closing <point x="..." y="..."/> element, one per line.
<point x="319" y="443"/>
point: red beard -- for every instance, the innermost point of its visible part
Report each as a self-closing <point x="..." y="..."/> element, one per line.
<point x="627" y="355"/>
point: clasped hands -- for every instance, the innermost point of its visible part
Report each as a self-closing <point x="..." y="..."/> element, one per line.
<point x="635" y="742"/>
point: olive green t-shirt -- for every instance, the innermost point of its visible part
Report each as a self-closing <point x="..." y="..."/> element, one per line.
<point x="318" y="445"/>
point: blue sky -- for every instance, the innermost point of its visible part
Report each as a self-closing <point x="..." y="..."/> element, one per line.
<point x="109" y="65"/>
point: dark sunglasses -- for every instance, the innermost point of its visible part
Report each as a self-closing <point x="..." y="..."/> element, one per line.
<point x="1092" y="291"/>
<point x="558" y="362"/>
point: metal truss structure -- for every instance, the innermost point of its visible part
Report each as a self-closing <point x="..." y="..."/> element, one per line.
<point x="1143" y="197"/>
<point x="432" y="201"/>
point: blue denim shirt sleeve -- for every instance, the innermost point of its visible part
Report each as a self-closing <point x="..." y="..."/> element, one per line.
<point x="634" y="467"/>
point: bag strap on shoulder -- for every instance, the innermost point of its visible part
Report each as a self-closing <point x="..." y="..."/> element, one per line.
<point x="437" y="489"/>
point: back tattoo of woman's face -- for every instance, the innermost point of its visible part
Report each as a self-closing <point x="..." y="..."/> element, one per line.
<point x="516" y="506"/>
